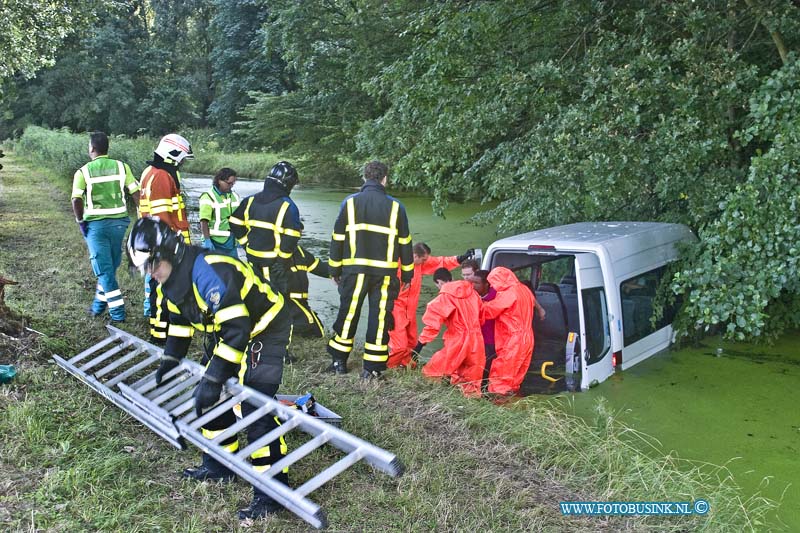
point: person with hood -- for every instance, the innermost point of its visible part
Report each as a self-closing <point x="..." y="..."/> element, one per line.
<point x="404" y="334"/>
<point x="267" y="225"/>
<point x="462" y="359"/>
<point x="161" y="197"/>
<point x="246" y="325"/>
<point x="512" y="310"/>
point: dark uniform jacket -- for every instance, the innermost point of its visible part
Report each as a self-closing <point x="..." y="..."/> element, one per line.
<point x="217" y="294"/>
<point x="268" y="225"/>
<point x="371" y="234"/>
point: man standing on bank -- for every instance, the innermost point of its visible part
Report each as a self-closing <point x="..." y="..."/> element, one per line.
<point x="98" y="201"/>
<point x="370" y="239"/>
<point x="268" y="225"/>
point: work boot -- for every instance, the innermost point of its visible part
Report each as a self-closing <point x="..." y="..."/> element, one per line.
<point x="372" y="375"/>
<point x="337" y="367"/>
<point x="209" y="470"/>
<point x="260" y="507"/>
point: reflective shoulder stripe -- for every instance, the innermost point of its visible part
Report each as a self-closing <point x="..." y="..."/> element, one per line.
<point x="393" y="228"/>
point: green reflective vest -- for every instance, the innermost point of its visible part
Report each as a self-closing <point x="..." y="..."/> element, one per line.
<point x="102" y="183"/>
<point x="216" y="208"/>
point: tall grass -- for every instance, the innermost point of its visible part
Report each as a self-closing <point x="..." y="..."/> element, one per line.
<point x="64" y="152"/>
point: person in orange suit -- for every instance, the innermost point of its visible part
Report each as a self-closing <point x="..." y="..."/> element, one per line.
<point x="462" y="358"/>
<point x="512" y="309"/>
<point x="403" y="335"/>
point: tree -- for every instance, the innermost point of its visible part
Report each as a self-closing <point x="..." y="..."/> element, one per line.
<point x="33" y="31"/>
<point x="241" y="62"/>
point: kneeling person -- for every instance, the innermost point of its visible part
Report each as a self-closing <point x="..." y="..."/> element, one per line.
<point x="462" y="358"/>
<point x="248" y="326"/>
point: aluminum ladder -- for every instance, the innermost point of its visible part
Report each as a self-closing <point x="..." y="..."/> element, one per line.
<point x="122" y="368"/>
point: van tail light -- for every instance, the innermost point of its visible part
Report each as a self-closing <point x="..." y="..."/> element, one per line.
<point x="616" y="359"/>
<point x="541" y="247"/>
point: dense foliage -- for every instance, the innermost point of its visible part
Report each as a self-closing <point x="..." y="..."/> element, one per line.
<point x="677" y="111"/>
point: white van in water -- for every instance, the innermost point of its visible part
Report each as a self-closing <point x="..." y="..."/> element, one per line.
<point x="596" y="282"/>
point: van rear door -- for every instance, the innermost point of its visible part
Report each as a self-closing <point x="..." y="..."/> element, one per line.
<point x="595" y="342"/>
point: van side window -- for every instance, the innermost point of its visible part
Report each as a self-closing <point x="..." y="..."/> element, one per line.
<point x="598" y="339"/>
<point x="637" y="295"/>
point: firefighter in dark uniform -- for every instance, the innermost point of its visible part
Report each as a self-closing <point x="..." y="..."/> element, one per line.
<point x="370" y="239"/>
<point x="268" y="225"/>
<point x="246" y="326"/>
<point x="305" y="321"/>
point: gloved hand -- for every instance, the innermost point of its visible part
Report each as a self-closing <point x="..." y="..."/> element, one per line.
<point x="84" y="227"/>
<point x="208" y="244"/>
<point x="206" y="394"/>
<point x="415" y="353"/>
<point x="168" y="362"/>
<point x="469" y="254"/>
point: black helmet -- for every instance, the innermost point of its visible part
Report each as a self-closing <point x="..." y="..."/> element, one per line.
<point x="284" y="173"/>
<point x="152" y="240"/>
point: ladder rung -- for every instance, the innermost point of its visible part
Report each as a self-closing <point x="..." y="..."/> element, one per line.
<point x="180" y="400"/>
<point x="244" y="422"/>
<point x="103" y="356"/>
<point x="283" y="429"/>
<point x="218" y="409"/>
<point x="298" y="453"/>
<point x="331" y="472"/>
<point x="175" y="387"/>
<point x="89" y="351"/>
<point x="132" y="370"/>
<point x="116" y="364"/>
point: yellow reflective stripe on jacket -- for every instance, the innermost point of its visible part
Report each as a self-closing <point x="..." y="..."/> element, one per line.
<point x="229" y="313"/>
<point x="176" y="330"/>
<point x="267" y="317"/>
<point x="351" y="220"/>
<point x="333" y="263"/>
<point x="228" y="353"/>
<point x="368" y="262"/>
<point x="171" y="307"/>
<point x="300" y="295"/>
<point x="199" y="299"/>
<point x="393" y="234"/>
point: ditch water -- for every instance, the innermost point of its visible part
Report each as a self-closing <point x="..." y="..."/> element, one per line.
<point x="724" y="403"/>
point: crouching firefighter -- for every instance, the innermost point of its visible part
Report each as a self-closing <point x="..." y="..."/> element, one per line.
<point x="246" y="326"/>
<point x="305" y="321"/>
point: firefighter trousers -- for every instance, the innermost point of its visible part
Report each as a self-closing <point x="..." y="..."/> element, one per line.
<point x="380" y="292"/>
<point x="262" y="370"/>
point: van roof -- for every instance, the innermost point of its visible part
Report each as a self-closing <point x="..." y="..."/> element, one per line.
<point x="582" y="235"/>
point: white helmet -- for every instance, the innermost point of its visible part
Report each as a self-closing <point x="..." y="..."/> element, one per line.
<point x="174" y="149"/>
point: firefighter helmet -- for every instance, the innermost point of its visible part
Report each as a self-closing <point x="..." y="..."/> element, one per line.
<point x="174" y="149"/>
<point x="284" y="173"/>
<point x="152" y="240"/>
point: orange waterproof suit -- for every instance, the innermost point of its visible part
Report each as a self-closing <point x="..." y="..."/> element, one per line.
<point x="403" y="336"/>
<point x="463" y="356"/>
<point x="512" y="310"/>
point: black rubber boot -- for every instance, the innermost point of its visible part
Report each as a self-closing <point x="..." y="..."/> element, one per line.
<point x="261" y="506"/>
<point x="372" y="375"/>
<point x="209" y="470"/>
<point x="338" y="367"/>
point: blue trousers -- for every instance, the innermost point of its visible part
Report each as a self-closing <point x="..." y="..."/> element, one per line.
<point x="104" y="240"/>
<point x="227" y="248"/>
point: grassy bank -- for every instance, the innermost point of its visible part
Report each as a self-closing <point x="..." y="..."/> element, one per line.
<point x="64" y="152"/>
<point x="71" y="461"/>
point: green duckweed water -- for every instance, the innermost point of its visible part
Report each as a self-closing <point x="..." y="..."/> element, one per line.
<point x="730" y="404"/>
<point x="738" y="407"/>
